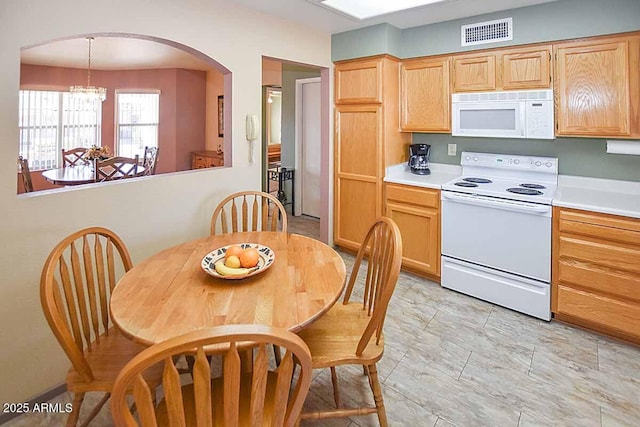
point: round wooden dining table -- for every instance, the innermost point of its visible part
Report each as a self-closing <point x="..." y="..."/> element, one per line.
<point x="169" y="294"/>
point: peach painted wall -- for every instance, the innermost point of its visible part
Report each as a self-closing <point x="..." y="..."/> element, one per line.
<point x="179" y="97"/>
<point x="191" y="101"/>
<point x="271" y="72"/>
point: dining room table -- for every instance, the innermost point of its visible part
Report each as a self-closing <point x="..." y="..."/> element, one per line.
<point x="170" y="294"/>
<point x="77" y="175"/>
<point x="70" y="175"/>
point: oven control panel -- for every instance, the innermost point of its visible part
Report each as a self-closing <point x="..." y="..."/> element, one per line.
<point x="508" y="161"/>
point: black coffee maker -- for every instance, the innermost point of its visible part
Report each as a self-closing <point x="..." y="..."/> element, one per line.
<point x="419" y="158"/>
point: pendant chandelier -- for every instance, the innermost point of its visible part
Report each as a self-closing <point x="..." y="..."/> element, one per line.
<point x="89" y="93"/>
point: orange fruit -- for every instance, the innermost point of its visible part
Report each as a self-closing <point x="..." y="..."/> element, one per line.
<point x="249" y="257"/>
<point x="234" y="250"/>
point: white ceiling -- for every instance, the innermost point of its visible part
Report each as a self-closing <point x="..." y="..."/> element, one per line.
<point x="110" y="53"/>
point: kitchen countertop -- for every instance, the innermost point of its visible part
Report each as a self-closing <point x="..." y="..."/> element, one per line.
<point x="598" y="195"/>
<point x="592" y="194"/>
<point x="440" y="174"/>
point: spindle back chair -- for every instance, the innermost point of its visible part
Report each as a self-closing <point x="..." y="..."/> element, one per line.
<point x="249" y="211"/>
<point x="258" y="396"/>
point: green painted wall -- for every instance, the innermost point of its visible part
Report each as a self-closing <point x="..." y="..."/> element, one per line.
<point x="576" y="156"/>
<point x="559" y="20"/>
<point x="374" y="40"/>
<point x="563" y="19"/>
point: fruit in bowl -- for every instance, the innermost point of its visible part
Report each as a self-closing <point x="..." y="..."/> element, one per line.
<point x="224" y="270"/>
<point x="234" y="250"/>
<point x="249" y="257"/>
<point x="232" y="262"/>
<point x="238" y="261"/>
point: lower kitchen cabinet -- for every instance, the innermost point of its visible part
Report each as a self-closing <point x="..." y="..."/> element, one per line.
<point x="596" y="271"/>
<point x="416" y="210"/>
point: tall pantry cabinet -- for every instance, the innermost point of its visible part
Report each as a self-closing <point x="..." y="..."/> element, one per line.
<point x="367" y="139"/>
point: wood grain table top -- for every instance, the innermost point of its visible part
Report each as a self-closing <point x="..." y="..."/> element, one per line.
<point x="169" y="294"/>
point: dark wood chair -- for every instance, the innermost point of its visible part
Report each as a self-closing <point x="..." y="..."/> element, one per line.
<point x="74" y="157"/>
<point x="253" y="395"/>
<point x="150" y="160"/>
<point x="75" y="287"/>
<point x="116" y="168"/>
<point x="351" y="333"/>
<point x="248" y="211"/>
<point x="26" y="174"/>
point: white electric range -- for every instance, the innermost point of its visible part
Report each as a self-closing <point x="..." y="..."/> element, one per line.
<point x="496" y="230"/>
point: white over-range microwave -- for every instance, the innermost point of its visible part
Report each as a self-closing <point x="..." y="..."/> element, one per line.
<point x="513" y="114"/>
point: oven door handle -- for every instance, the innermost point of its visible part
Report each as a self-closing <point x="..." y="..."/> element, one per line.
<point x="509" y="205"/>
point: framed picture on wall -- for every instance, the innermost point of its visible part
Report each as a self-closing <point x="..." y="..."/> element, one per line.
<point x="221" y="115"/>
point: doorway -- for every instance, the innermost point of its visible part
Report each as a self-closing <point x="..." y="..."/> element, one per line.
<point x="307" y="147"/>
<point x="285" y="75"/>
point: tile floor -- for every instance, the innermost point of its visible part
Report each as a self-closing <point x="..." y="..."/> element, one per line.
<point x="452" y="360"/>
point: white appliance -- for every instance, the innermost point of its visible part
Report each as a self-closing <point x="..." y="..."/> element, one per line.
<point x="496" y="230"/>
<point x="512" y="114"/>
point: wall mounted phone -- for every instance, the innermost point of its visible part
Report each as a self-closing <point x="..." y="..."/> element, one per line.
<point x="252" y="131"/>
<point x="253" y="126"/>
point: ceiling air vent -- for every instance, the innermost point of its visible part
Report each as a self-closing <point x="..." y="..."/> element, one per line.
<point x="487" y="32"/>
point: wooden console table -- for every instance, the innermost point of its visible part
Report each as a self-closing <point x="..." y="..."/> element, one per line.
<point x="206" y="159"/>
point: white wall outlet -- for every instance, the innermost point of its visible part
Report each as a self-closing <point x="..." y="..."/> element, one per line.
<point x="452" y="149"/>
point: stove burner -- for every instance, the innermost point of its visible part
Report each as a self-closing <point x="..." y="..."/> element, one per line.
<point x="466" y="184"/>
<point x="527" y="191"/>
<point x="534" y="186"/>
<point x="478" y="180"/>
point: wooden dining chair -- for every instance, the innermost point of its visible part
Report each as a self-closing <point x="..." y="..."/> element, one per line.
<point x="351" y="333"/>
<point x="248" y="211"/>
<point x="149" y="160"/>
<point x="258" y="396"/>
<point x="74" y="157"/>
<point x="26" y="174"/>
<point x="75" y="287"/>
<point x="116" y="168"/>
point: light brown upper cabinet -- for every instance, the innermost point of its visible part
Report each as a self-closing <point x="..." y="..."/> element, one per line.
<point x="526" y="69"/>
<point x="359" y="82"/>
<point x="503" y="69"/>
<point x="424" y="95"/>
<point x="474" y="73"/>
<point x="597" y="87"/>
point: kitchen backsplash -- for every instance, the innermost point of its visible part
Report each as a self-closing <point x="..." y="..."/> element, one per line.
<point x="576" y="156"/>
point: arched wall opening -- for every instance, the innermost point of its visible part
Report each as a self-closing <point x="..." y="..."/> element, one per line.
<point x="194" y="92"/>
